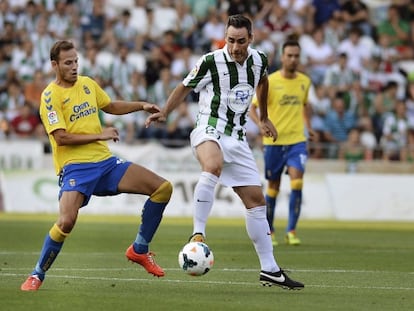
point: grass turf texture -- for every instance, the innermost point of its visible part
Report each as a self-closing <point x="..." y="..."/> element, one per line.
<point x="344" y="265"/>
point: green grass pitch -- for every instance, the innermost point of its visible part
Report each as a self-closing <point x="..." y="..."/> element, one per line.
<point x="344" y="265"/>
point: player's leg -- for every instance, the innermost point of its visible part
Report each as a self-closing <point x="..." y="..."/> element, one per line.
<point x="138" y="179"/>
<point x="205" y="142"/>
<point x="210" y="158"/>
<point x="297" y="157"/>
<point x="259" y="232"/>
<point x="69" y="204"/>
<point x="257" y="226"/>
<point x="274" y="163"/>
<point x="272" y="192"/>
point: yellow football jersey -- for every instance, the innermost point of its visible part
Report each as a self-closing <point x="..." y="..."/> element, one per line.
<point x="286" y="101"/>
<point x="76" y="110"/>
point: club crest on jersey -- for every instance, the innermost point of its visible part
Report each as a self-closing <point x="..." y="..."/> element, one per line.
<point x="72" y="182"/>
<point x="239" y="97"/>
<point x="86" y="89"/>
<point x="193" y="72"/>
<point x="52" y="117"/>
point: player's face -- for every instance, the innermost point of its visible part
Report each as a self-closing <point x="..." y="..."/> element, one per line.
<point x="67" y="67"/>
<point x="291" y="58"/>
<point x="238" y="41"/>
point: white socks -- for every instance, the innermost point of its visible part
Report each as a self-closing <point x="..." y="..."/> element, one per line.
<point x="203" y="201"/>
<point x="259" y="232"/>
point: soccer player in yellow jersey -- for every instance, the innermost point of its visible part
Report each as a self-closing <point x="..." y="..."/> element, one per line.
<point x="288" y="110"/>
<point x="85" y="165"/>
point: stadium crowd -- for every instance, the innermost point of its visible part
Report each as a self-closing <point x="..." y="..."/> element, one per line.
<point x="358" y="54"/>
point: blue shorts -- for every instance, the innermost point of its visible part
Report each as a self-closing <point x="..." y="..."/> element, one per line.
<point x="100" y="178"/>
<point x="276" y="158"/>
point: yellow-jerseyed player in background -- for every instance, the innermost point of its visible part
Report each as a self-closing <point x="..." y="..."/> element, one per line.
<point x="85" y="165"/>
<point x="288" y="111"/>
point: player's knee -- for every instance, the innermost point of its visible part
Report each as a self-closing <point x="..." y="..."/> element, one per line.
<point x="56" y="234"/>
<point x="272" y="193"/>
<point x="296" y="184"/>
<point x="163" y="193"/>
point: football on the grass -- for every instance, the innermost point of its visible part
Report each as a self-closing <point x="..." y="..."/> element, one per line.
<point x="195" y="258"/>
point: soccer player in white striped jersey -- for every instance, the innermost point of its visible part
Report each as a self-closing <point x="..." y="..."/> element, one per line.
<point x="227" y="80"/>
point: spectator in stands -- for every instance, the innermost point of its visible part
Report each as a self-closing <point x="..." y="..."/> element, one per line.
<point x="320" y="104"/>
<point x="93" y="24"/>
<point x="334" y="31"/>
<point x="213" y="32"/>
<point x="33" y="90"/>
<point x="409" y="100"/>
<point x="5" y="68"/>
<point x="12" y="100"/>
<point x="25" y="62"/>
<point x="60" y="21"/>
<point x="352" y="151"/>
<point x="395" y="133"/>
<point x="356" y="49"/>
<point x="27" y="124"/>
<point x="338" y="123"/>
<point x="182" y="63"/>
<point x="356" y="14"/>
<point x="399" y="31"/>
<point x="28" y="18"/>
<point x="42" y="42"/>
<point x="155" y="62"/>
<point x="123" y="31"/>
<point x="277" y="24"/>
<point x="319" y="55"/>
<point x="372" y="79"/>
<point x="169" y="47"/>
<point x="325" y="10"/>
<point x="262" y="42"/>
<point x="202" y="9"/>
<point x="187" y="25"/>
<point x="139" y="18"/>
<point x="384" y="104"/>
<point x="338" y="77"/>
<point x="180" y="123"/>
<point x="248" y="8"/>
<point x="367" y="137"/>
<point x="300" y="14"/>
<point x="122" y="69"/>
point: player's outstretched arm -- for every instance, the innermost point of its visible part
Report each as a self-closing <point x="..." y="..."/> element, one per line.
<point x="176" y="97"/>
<point x="124" y="107"/>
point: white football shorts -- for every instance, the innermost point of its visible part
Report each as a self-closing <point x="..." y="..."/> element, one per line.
<point x="239" y="167"/>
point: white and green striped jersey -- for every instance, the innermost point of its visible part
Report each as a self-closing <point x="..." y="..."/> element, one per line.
<point x="226" y="89"/>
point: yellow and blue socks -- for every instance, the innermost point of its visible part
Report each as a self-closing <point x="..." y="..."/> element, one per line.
<point x="152" y="213"/>
<point x="271" y="195"/>
<point x="295" y="203"/>
<point x="51" y="247"/>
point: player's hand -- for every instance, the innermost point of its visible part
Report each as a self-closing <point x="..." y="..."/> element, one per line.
<point x="109" y="133"/>
<point x="155" y="117"/>
<point x="313" y="135"/>
<point x="268" y="129"/>
<point x="151" y="108"/>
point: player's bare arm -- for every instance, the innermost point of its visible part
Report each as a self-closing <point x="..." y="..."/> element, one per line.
<point x="174" y="100"/>
<point x="266" y="126"/>
<point x="124" y="107"/>
<point x="63" y="138"/>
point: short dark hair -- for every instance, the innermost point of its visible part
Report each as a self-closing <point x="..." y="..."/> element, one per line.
<point x="62" y="45"/>
<point x="240" y="21"/>
<point x="290" y="43"/>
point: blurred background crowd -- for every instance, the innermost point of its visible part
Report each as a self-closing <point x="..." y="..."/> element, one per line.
<point x="358" y="54"/>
